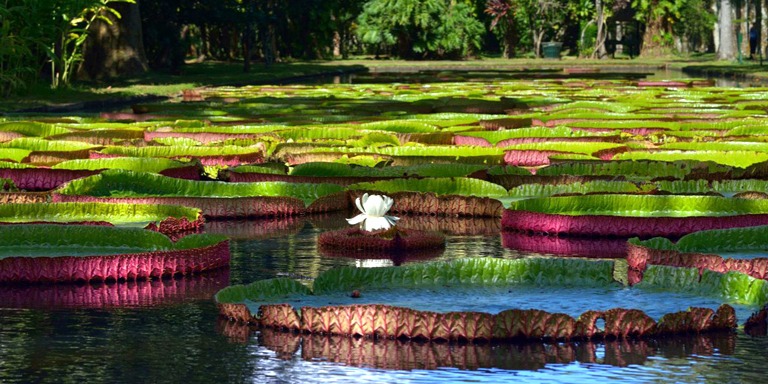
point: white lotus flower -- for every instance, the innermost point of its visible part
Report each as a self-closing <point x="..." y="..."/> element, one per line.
<point x="374" y="213"/>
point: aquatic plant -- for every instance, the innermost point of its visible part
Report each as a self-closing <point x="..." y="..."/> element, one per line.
<point x="733" y="249"/>
<point x="374" y="213"/>
<point x="215" y="199"/>
<point x="223" y="155"/>
<point x="68" y="253"/>
<point x="438" y="196"/>
<point x="268" y="300"/>
<point x="171" y="220"/>
<point x="632" y="215"/>
<point x="167" y="167"/>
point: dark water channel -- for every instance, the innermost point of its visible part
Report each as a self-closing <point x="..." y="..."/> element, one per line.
<point x="169" y="331"/>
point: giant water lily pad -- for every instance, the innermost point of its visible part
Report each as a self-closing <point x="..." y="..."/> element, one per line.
<point x="632" y="215"/>
<point x="168" y="219"/>
<point x="487" y="299"/>
<point x="736" y="249"/>
<point x="215" y="199"/>
<point x="56" y="253"/>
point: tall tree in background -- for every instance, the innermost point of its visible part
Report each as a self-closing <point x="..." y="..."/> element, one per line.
<point x="696" y="25"/>
<point x="504" y="20"/>
<point x="727" y="48"/>
<point x="343" y="16"/>
<point x="161" y="21"/>
<point x="545" y="19"/>
<point x="115" y="46"/>
<point x="658" y="16"/>
<point x="421" y="28"/>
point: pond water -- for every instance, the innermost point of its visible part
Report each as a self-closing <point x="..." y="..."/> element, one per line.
<point x="170" y="331"/>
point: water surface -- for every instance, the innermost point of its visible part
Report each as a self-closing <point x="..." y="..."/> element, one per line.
<point x="169" y="331"/>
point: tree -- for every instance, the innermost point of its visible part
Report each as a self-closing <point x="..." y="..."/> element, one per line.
<point x="545" y="19"/>
<point x="659" y="17"/>
<point x="504" y="17"/>
<point x="727" y="48"/>
<point x="115" y="46"/>
<point x="344" y="14"/>
<point x="696" y="24"/>
<point x="421" y="28"/>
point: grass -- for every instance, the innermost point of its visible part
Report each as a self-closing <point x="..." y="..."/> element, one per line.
<point x="231" y="73"/>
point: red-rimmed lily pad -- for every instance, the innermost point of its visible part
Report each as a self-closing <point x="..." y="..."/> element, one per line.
<point x="474" y="300"/>
<point x="37" y="253"/>
<point x="394" y="241"/>
<point x="632" y="215"/>
<point x="221" y="155"/>
<point x="216" y="199"/>
<point x="182" y="170"/>
<point x="467" y="197"/>
<point x="171" y="220"/>
<point x="735" y="249"/>
<point x="31" y="178"/>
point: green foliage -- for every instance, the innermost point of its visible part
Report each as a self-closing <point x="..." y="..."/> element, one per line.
<point x="734" y="286"/>
<point x="103" y="212"/>
<point x="696" y="22"/>
<point x="34" y="240"/>
<point x="425" y="28"/>
<point x="438" y="186"/>
<point x="269" y="289"/>
<point x="33" y="128"/>
<point x="179" y="151"/>
<point x="600" y="186"/>
<point x="14" y="154"/>
<point x="485" y="271"/>
<point x="643" y="205"/>
<point x="36" y="144"/>
<point x="33" y="30"/>
<point x="424" y="170"/>
<point x="494" y="137"/>
<point x="119" y="183"/>
<point x="138" y="164"/>
<point x="628" y="169"/>
<point x="713" y="241"/>
<point x="740" y="159"/>
<point x="74" y="24"/>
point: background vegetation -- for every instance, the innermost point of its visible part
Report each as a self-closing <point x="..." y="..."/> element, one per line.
<point x="54" y="42"/>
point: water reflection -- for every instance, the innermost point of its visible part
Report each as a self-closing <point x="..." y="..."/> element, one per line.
<point x="565" y="246"/>
<point x="117" y="334"/>
<point x="143" y="293"/>
<point x="409" y="355"/>
<point x="722" y="357"/>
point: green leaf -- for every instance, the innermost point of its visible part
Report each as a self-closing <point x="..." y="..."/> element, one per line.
<point x="119" y="183"/>
<point x="136" y="214"/>
<point x="36" y="240"/>
<point x="438" y="186"/>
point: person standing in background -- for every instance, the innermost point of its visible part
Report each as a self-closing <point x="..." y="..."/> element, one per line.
<point x="752" y="41"/>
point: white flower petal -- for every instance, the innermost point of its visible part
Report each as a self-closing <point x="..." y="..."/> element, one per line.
<point x="376" y="223"/>
<point x="357" y="219"/>
<point x="374" y="209"/>
<point x="359" y="204"/>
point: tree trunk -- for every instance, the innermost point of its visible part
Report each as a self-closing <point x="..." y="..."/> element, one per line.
<point x="727" y="47"/>
<point x="510" y="38"/>
<point x="117" y="49"/>
<point x="653" y="38"/>
<point x="600" y="51"/>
